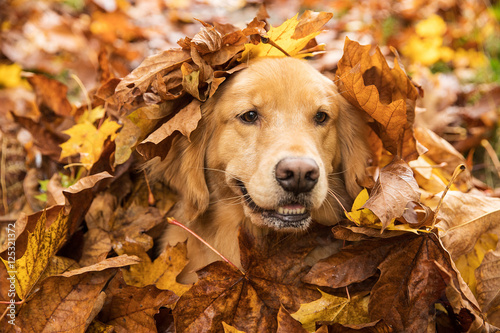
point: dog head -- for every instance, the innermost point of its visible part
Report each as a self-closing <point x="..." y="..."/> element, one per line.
<point x="279" y="138"/>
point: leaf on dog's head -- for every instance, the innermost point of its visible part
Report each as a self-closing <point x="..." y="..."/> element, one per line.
<point x="385" y="93"/>
<point x="292" y="36"/>
<point x="273" y="268"/>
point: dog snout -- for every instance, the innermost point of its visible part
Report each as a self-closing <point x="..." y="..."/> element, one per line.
<point x="296" y="174"/>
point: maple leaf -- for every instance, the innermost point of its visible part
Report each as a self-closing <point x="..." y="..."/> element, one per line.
<point x="162" y="272"/>
<point x="131" y="309"/>
<point x="88" y="141"/>
<point x="401" y="260"/>
<point x="334" y="309"/>
<point x="292" y="36"/>
<point x="249" y="301"/>
<point x="385" y="93"/>
<point x="42" y="245"/>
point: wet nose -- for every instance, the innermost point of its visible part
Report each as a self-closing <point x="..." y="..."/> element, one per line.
<point x="297" y="174"/>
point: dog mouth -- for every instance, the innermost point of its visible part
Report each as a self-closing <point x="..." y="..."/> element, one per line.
<point x="290" y="214"/>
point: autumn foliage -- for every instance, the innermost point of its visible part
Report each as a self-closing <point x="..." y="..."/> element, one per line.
<point x="417" y="252"/>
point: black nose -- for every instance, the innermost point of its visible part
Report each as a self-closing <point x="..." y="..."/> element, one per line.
<point x="296" y="174"/>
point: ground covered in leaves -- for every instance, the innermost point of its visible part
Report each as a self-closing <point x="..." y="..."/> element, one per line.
<point x="90" y="90"/>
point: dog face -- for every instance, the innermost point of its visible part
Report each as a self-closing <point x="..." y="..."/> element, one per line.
<point x="277" y="140"/>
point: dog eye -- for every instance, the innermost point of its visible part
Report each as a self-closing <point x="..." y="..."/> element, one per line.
<point x="320" y="117"/>
<point x="249" y="117"/>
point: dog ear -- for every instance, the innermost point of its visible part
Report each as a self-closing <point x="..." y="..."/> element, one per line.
<point x="183" y="170"/>
<point x="354" y="149"/>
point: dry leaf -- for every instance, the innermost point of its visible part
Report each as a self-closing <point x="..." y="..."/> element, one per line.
<point x="386" y="94"/>
<point x="393" y="190"/>
<point x="50" y="95"/>
<point x="43" y="243"/>
<point x="292" y="36"/>
<point x="63" y="304"/>
<point x="488" y="286"/>
<point x="162" y="272"/>
<point x="225" y="294"/>
<point x="131" y="309"/>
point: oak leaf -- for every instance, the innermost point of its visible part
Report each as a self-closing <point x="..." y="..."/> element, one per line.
<point x="385" y="93"/>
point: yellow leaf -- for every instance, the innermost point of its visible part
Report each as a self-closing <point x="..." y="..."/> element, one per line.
<point x="284" y="35"/>
<point x="230" y="329"/>
<point x="332" y="308"/>
<point x="162" y="272"/>
<point x="10" y="76"/>
<point x="88" y="141"/>
<point x="43" y="244"/>
<point x="430" y="27"/>
<point x="91" y="116"/>
<point x="468" y="263"/>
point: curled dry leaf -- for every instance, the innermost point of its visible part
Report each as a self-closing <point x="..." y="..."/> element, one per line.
<point x="394" y="189"/>
<point x="50" y="95"/>
<point x="385" y="93"/>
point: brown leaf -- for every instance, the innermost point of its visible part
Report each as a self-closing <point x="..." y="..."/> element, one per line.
<point x="207" y="40"/>
<point x="132" y="309"/>
<point x="185" y="121"/>
<point x="378" y="326"/>
<point x="386" y="94"/>
<point x="250" y="301"/>
<point x="393" y="190"/>
<point x="410" y="283"/>
<point x="50" y="95"/>
<point x="286" y="324"/>
<point x="63" y="304"/>
<point x="310" y="22"/>
<point x="114" y="262"/>
<point x="141" y="78"/>
<point x="488" y="286"/>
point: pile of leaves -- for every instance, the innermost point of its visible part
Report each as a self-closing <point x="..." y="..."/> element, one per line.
<point x="418" y="251"/>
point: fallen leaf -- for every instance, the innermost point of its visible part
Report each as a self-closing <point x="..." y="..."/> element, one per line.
<point x="333" y="309"/>
<point x="271" y="280"/>
<point x="287" y="324"/>
<point x="43" y="243"/>
<point x="114" y="262"/>
<point x="87" y="141"/>
<point x="162" y="272"/>
<point x="63" y="304"/>
<point x="488" y="286"/>
<point x="385" y="93"/>
<point x="132" y="309"/>
<point x="378" y="326"/>
<point x="50" y="95"/>
<point x="393" y="190"/>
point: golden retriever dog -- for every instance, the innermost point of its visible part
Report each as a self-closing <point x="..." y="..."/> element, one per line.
<point x="274" y="144"/>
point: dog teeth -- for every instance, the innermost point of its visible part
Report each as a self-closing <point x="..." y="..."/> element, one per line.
<point x="291" y="211"/>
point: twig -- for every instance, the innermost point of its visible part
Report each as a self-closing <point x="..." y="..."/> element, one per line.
<point x="173" y="221"/>
<point x="492" y="154"/>
<point x="267" y="40"/>
<point x="458" y="170"/>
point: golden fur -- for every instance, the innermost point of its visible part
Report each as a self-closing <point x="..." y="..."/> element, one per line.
<point x="230" y="162"/>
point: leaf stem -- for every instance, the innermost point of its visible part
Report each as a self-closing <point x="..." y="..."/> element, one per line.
<point x="458" y="170"/>
<point x="267" y="40"/>
<point x="173" y="221"/>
